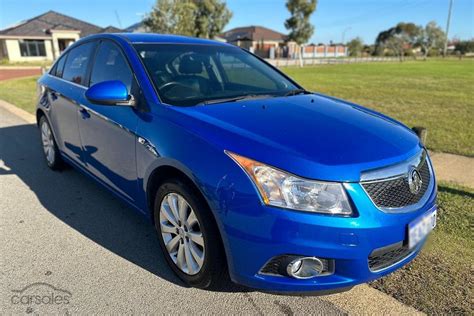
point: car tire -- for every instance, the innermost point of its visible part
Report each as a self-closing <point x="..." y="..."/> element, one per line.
<point x="51" y="152"/>
<point x="212" y="273"/>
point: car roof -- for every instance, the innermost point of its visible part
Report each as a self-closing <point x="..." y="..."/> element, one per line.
<point x="136" y="38"/>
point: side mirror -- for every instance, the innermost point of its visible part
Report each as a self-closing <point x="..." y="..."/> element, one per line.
<point x="112" y="92"/>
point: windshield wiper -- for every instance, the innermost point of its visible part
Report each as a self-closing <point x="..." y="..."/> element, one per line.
<point x="235" y="99"/>
<point x="296" y="91"/>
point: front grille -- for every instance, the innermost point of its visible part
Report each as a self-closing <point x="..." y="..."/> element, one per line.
<point x="277" y="265"/>
<point x="384" y="257"/>
<point x="395" y="193"/>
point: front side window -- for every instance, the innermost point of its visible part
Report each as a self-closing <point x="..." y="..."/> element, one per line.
<point x="75" y="69"/>
<point x="187" y="75"/>
<point x="110" y="64"/>
<point x="32" y="48"/>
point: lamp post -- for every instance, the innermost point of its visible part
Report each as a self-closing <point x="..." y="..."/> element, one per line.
<point x="344" y="34"/>
<point x="445" y="49"/>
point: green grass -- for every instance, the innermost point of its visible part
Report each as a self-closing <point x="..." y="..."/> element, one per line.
<point x="20" y="92"/>
<point x="436" y="94"/>
<point x="42" y="63"/>
<point x="440" y="280"/>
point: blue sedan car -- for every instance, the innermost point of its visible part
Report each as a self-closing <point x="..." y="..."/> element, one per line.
<point x="242" y="171"/>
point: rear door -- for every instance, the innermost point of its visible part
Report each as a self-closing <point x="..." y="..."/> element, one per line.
<point x="108" y="131"/>
<point x="66" y="93"/>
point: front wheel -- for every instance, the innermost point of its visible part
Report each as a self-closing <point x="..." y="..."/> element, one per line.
<point x="188" y="235"/>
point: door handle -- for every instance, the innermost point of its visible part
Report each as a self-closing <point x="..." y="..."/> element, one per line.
<point x="84" y="113"/>
<point x="55" y="94"/>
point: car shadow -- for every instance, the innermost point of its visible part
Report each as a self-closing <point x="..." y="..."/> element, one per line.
<point x="86" y="206"/>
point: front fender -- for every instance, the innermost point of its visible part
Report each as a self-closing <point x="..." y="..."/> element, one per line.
<point x="214" y="173"/>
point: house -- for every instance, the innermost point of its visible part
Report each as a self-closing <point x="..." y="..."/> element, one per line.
<point x="260" y="40"/>
<point x="324" y="51"/>
<point x="138" y="27"/>
<point x="44" y="37"/>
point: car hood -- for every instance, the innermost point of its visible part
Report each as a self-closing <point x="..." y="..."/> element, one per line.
<point x="313" y="136"/>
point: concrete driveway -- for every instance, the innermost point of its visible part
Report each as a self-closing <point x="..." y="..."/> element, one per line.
<point x="68" y="246"/>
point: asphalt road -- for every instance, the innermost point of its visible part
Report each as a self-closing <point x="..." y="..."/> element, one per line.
<point x="69" y="246"/>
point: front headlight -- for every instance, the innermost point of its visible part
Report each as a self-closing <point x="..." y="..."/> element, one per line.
<point x="282" y="189"/>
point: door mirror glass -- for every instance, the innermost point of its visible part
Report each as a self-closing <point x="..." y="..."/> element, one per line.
<point x="112" y="92"/>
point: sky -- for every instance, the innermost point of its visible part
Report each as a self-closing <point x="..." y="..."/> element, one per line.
<point x="334" y="20"/>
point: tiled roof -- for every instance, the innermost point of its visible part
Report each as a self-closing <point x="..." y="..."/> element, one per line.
<point x="43" y="24"/>
<point x="253" y="33"/>
<point x="136" y="27"/>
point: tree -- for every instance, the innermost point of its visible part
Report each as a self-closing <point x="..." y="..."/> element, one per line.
<point x="211" y="17"/>
<point x="398" y="38"/>
<point x="172" y="17"/>
<point x="464" y="47"/>
<point x="201" y="18"/>
<point x="429" y="37"/>
<point x="300" y="28"/>
<point x="355" y="46"/>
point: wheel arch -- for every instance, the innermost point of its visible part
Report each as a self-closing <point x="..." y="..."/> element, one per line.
<point x="158" y="176"/>
<point x="171" y="170"/>
<point x="39" y="113"/>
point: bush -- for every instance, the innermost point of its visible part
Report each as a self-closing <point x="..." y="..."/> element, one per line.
<point x="465" y="47"/>
<point x="433" y="52"/>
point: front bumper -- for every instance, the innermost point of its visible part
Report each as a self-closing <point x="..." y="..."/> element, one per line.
<point x="253" y="238"/>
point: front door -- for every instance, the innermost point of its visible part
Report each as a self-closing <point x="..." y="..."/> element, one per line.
<point x="108" y="131"/>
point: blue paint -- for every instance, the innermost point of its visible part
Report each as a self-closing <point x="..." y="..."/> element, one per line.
<point x="107" y="92"/>
<point x="310" y="135"/>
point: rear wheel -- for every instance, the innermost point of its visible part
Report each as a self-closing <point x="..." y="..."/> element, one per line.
<point x="50" y="148"/>
<point x="188" y="235"/>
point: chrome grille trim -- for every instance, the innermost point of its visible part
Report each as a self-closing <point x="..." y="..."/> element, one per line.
<point x="394" y="171"/>
<point x="390" y="174"/>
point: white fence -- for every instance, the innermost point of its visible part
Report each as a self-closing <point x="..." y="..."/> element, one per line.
<point x="322" y="61"/>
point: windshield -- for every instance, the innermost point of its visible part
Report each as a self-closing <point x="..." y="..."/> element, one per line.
<point x="186" y="75"/>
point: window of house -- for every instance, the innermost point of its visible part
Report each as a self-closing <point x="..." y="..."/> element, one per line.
<point x="32" y="48"/>
<point x="75" y="69"/>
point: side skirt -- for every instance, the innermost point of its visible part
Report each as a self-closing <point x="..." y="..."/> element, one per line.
<point x="105" y="185"/>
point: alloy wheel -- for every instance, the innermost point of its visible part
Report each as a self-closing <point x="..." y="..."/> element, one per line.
<point x="48" y="142"/>
<point x="181" y="232"/>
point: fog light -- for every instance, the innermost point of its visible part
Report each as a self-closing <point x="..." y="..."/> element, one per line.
<point x="305" y="268"/>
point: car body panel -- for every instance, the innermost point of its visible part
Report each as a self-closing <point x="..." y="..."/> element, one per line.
<point x="108" y="144"/>
<point x="319" y="138"/>
<point x="62" y="96"/>
<point x="324" y="139"/>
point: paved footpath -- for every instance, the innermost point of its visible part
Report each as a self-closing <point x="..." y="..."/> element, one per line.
<point x="65" y="238"/>
<point x="454" y="168"/>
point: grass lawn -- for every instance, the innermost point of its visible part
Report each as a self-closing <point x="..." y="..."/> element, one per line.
<point x="437" y="94"/>
<point x="44" y="63"/>
<point x="441" y="279"/>
<point x="20" y="92"/>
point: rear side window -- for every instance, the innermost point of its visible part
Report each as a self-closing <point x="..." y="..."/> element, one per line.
<point x="59" y="67"/>
<point x="75" y="69"/>
<point x="110" y="64"/>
